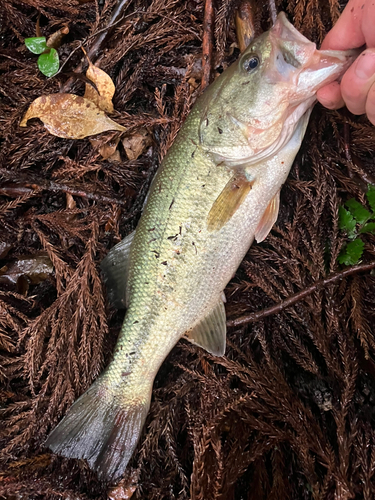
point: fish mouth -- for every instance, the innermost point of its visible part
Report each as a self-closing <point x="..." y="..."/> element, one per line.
<point x="296" y="60"/>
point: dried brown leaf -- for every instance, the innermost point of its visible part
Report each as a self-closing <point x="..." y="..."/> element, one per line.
<point x="136" y="144"/>
<point x="106" y="148"/>
<point x="54" y="41"/>
<point x="30" y="269"/>
<point x="105" y="86"/>
<point x="115" y="157"/>
<point x="70" y="116"/>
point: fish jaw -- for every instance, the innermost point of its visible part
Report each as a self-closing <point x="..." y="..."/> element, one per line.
<point x="248" y="116"/>
<point x="298" y="70"/>
<point x="296" y="60"/>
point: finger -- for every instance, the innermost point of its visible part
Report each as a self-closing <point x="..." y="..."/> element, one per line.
<point x="370" y="104"/>
<point x="368" y="21"/>
<point x="347" y="32"/>
<point x="330" y="96"/>
<point x="357" y="82"/>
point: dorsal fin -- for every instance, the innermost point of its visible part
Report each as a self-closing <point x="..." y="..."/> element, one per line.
<point x="268" y="219"/>
<point x="115" y="268"/>
<point x="210" y="332"/>
<point x="228" y="202"/>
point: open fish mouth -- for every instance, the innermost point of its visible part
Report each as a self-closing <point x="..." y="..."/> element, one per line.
<point x="296" y="59"/>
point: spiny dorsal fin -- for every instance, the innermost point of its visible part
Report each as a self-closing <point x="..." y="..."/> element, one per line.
<point x="228" y="202"/>
<point x="115" y="268"/>
<point x="210" y="332"/>
<point x="268" y="219"/>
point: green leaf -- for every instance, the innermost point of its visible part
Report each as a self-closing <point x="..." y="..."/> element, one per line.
<point x="358" y="211"/>
<point x="347" y="222"/>
<point x="371" y="196"/>
<point x="48" y="63"/>
<point x="352" y="253"/>
<point x="36" y="45"/>
<point x="368" y="228"/>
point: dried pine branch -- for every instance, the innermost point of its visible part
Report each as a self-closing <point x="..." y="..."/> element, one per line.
<point x="288" y="412"/>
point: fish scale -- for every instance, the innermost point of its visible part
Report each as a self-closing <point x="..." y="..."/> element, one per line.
<point x="216" y="190"/>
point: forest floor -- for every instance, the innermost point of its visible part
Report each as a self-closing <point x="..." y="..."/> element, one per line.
<point x="289" y="412"/>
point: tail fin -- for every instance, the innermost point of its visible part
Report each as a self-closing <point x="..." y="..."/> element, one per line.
<point x="103" y="430"/>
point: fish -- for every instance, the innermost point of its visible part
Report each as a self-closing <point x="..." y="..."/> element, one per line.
<point x="217" y="189"/>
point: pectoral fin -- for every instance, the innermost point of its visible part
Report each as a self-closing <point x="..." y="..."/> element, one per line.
<point x="210" y="332"/>
<point x="115" y="268"/>
<point x="228" y="202"/>
<point x="268" y="219"/>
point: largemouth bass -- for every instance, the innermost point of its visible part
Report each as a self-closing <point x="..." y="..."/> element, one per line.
<point x="216" y="191"/>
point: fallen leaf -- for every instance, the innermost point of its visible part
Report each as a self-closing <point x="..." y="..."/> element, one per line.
<point x="193" y="84"/>
<point x="125" y="488"/>
<point x="115" y="157"/>
<point x="107" y="148"/>
<point x="136" y="144"/>
<point x="70" y="202"/>
<point x="123" y="491"/>
<point x="105" y="86"/>
<point x="70" y="116"/>
<point x="30" y="269"/>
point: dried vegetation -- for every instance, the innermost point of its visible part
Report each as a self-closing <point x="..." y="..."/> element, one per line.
<point x="289" y="412"/>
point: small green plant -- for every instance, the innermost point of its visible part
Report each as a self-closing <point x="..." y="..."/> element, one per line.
<point x="48" y="60"/>
<point x="355" y="220"/>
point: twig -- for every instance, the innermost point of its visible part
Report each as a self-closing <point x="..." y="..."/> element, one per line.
<point x="181" y="25"/>
<point x="14" y="59"/>
<point x="53" y="186"/>
<point x="347" y="145"/>
<point x="293" y="299"/>
<point x="92" y="52"/>
<point x="36" y="185"/>
<point x="207" y="44"/>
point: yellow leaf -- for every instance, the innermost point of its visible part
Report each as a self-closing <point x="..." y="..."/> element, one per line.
<point x="105" y="86"/>
<point x="70" y="116"/>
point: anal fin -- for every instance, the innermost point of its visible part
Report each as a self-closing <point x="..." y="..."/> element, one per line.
<point x="210" y="332"/>
<point x="268" y="219"/>
<point x="228" y="202"/>
<point x="115" y="268"/>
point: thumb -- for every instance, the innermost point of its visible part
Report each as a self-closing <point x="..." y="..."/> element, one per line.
<point x="347" y="33"/>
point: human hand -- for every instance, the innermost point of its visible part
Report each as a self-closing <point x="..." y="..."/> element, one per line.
<point x="354" y="28"/>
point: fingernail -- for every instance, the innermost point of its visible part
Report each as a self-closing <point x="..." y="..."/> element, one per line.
<point x="365" y="67"/>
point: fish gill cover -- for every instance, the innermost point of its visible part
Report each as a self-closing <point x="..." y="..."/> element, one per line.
<point x="289" y="411"/>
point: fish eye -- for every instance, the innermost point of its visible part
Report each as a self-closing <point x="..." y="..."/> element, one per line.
<point x="251" y="63"/>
